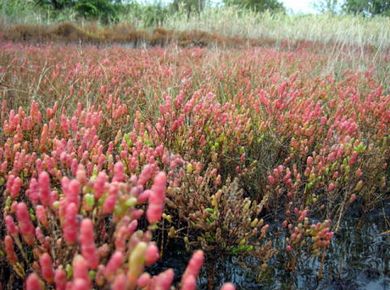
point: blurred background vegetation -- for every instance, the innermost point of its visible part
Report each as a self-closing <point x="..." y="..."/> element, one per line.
<point x="156" y="12"/>
<point x="342" y="22"/>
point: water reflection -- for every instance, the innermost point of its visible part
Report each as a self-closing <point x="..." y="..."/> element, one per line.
<point x="358" y="259"/>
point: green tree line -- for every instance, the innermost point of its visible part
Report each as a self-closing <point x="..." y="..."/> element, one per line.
<point x="358" y="7"/>
<point x="154" y="13"/>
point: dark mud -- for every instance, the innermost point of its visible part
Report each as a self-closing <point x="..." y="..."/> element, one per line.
<point x="359" y="258"/>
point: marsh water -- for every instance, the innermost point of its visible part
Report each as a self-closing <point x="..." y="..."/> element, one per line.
<point x="359" y="258"/>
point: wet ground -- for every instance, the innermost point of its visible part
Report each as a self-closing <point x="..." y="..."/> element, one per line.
<point x="359" y="258"/>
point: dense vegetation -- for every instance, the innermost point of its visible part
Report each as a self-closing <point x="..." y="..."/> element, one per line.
<point x="253" y="141"/>
<point x="251" y="154"/>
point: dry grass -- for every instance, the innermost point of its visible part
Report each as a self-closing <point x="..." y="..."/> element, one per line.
<point x="127" y="34"/>
<point x="121" y="33"/>
<point x="344" y="30"/>
<point x="92" y="33"/>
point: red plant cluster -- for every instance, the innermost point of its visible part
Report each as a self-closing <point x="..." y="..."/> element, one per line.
<point x="77" y="209"/>
<point x="102" y="148"/>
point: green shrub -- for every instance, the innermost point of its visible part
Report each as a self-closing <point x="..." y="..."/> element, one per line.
<point x="102" y="10"/>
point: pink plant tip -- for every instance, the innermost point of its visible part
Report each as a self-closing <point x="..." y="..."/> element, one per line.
<point x="33" y="282"/>
<point x="194" y="265"/>
<point x="189" y="283"/>
<point x="119" y="172"/>
<point x="228" y="286"/>
<point x="99" y="184"/>
<point x="41" y="215"/>
<point x="157" y="198"/>
<point x="120" y="282"/>
<point x="9" y="250"/>
<point x="26" y="227"/>
<point x="60" y="279"/>
<point x="70" y="226"/>
<point x="146" y="174"/>
<point x="87" y="241"/>
<point x="115" y="262"/>
<point x="80" y="268"/>
<point x="46" y="267"/>
<point x="44" y="186"/>
<point x="12" y="229"/>
<point x="80" y="284"/>
<point x="144" y="280"/>
<point x="164" y="280"/>
<point x="152" y="255"/>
